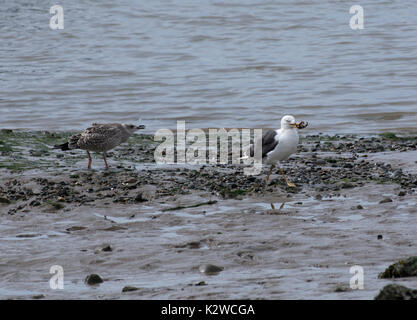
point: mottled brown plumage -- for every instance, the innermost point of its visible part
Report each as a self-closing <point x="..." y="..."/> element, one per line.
<point x="100" y="137"/>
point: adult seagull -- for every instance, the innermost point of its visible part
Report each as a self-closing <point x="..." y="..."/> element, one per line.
<point x="278" y="145"/>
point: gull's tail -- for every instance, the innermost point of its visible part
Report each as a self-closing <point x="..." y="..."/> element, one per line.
<point x="63" y="147"/>
<point x="71" y="144"/>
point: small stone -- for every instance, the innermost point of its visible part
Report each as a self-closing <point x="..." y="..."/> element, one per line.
<point x="139" y="198"/>
<point x="194" y="245"/>
<point x="210" y="269"/>
<point x="75" y="228"/>
<point x="35" y="153"/>
<point x="341" y="288"/>
<point x="4" y="200"/>
<point x="386" y="200"/>
<point x="131" y="180"/>
<point x="35" y="203"/>
<point x="93" y="279"/>
<point x="379" y="236"/>
<point x="347" y="185"/>
<point x="107" y="248"/>
<point x="396" y="292"/>
<point x="359" y="207"/>
<point x="401" y="194"/>
<point x="38" y="296"/>
<point x="129" y="289"/>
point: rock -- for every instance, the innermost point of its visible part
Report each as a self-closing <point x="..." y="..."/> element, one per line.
<point x="359" y="207"/>
<point x="129" y="289"/>
<point x="347" y="185"/>
<point x="379" y="237"/>
<point x="38" y="296"/>
<point x="400" y="269"/>
<point x="35" y="203"/>
<point x="93" y="279"/>
<point x="139" y="198"/>
<point x="75" y="228"/>
<point x="131" y="181"/>
<point x="107" y="248"/>
<point x="401" y="194"/>
<point x="210" y="269"/>
<point x="386" y="200"/>
<point x="341" y="288"/>
<point x="396" y="292"/>
<point x="4" y="200"/>
<point x="35" y="153"/>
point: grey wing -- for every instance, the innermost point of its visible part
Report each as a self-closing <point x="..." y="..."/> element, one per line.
<point x="269" y="142"/>
<point x="100" y="137"/>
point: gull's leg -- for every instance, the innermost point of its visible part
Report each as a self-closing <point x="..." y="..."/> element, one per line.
<point x="269" y="173"/>
<point x="105" y="161"/>
<point x="273" y="207"/>
<point x="89" y="159"/>
<point x="290" y="184"/>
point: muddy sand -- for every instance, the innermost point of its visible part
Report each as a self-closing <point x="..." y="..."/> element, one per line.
<point x="155" y="228"/>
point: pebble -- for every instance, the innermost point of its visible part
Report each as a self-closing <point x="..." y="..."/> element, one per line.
<point x="210" y="269"/>
<point x="93" y="279"/>
<point x="129" y="289"/>
<point x="385" y="200"/>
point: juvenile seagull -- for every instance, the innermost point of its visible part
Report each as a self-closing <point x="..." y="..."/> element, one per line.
<point x="100" y="138"/>
<point x="278" y="145"/>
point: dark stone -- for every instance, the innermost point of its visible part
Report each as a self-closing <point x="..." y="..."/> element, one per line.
<point x="4" y="200"/>
<point x="129" y="289"/>
<point x="93" y="279"/>
<point x="210" y="269"/>
<point x="35" y="203"/>
<point x="386" y="200"/>
<point x="400" y="269"/>
<point x="139" y="198"/>
<point x="347" y="185"/>
<point x="379" y="236"/>
<point x="318" y="197"/>
<point x="107" y="248"/>
<point x="396" y="292"/>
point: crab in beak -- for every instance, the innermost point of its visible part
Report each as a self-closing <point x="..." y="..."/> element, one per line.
<point x="300" y="125"/>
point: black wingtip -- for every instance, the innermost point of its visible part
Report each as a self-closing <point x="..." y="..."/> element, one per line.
<point x="63" y="147"/>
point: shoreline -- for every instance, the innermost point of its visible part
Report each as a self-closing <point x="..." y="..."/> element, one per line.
<point x="164" y="221"/>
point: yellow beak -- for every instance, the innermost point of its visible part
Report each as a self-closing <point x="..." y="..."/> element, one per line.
<point x="294" y="125"/>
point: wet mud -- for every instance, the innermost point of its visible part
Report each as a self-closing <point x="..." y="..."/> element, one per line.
<point x="206" y="231"/>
